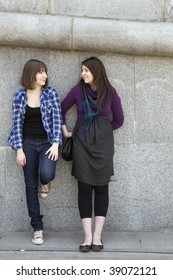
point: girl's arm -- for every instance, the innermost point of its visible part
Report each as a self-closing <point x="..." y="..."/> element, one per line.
<point x="118" y="116"/>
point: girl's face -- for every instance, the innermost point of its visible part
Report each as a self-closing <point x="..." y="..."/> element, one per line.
<point x="87" y="76"/>
<point x="41" y="78"/>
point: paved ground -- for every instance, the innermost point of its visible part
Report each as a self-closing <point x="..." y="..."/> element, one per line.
<point x="64" y="245"/>
<point x="59" y="255"/>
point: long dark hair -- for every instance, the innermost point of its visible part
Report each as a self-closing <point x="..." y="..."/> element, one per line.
<point x="103" y="87"/>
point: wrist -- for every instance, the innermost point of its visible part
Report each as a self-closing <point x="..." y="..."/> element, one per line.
<point x="19" y="150"/>
<point x="55" y="144"/>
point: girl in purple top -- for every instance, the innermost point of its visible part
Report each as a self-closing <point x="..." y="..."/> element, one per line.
<point x="99" y="112"/>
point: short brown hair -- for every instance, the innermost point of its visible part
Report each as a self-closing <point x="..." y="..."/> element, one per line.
<point x="30" y="70"/>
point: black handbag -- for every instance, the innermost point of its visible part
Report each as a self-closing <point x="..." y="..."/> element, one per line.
<point x="67" y="149"/>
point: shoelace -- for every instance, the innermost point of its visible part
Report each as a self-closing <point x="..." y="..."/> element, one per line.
<point x="38" y="234"/>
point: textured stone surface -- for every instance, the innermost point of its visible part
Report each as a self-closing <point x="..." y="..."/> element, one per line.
<point x="2" y="185"/>
<point x="154" y="100"/>
<point x="168" y="10"/>
<point x="123" y="37"/>
<point x="45" y="31"/>
<point x="16" y="216"/>
<point x="31" y="6"/>
<point x="66" y="33"/>
<point x="150" y="10"/>
<point x="141" y="193"/>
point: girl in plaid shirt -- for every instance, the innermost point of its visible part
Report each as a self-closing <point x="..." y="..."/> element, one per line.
<point x="36" y="135"/>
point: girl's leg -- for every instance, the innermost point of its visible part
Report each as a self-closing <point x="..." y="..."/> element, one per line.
<point x="47" y="168"/>
<point x="98" y="228"/>
<point x="31" y="181"/>
<point x="87" y="228"/>
<point x="85" y="210"/>
<point x="100" y="209"/>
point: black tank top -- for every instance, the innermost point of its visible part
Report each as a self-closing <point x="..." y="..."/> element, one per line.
<point x="33" y="126"/>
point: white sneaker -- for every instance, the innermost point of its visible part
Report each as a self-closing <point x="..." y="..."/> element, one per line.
<point x="38" y="237"/>
<point x="45" y="189"/>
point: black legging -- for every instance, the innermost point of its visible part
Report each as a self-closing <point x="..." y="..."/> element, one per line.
<point x="101" y="200"/>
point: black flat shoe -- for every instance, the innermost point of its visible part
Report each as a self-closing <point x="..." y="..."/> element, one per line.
<point x="97" y="248"/>
<point x="85" y="248"/>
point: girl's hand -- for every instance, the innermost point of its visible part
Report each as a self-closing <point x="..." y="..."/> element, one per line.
<point x="53" y="152"/>
<point x="66" y="133"/>
<point x="21" y="158"/>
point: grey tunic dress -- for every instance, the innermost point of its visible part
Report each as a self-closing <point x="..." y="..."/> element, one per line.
<point x="93" y="151"/>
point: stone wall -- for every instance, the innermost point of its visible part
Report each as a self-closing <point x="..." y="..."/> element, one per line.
<point x="134" y="39"/>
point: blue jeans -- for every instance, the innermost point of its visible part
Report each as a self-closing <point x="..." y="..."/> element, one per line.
<point x="38" y="167"/>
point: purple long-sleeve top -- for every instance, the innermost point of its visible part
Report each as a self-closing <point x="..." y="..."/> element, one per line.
<point x="74" y="97"/>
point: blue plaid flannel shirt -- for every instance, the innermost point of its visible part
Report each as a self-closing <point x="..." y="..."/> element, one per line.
<point x="50" y="112"/>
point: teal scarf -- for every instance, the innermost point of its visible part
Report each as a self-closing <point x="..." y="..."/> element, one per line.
<point x="89" y="101"/>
